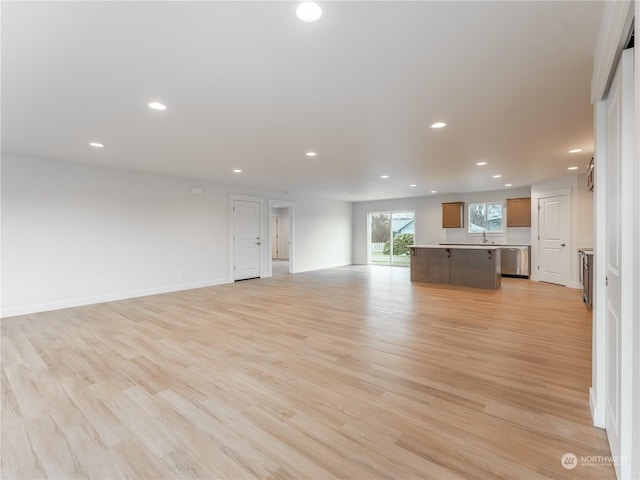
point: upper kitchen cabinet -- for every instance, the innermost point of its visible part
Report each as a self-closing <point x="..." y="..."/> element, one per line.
<point x="453" y="215"/>
<point x="519" y="212"/>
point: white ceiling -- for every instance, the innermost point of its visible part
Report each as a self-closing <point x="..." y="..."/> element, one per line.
<point x="249" y="86"/>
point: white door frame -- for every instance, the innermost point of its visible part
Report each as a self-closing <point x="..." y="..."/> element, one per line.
<point x="247" y="198"/>
<point x="291" y="206"/>
<point x="273" y="218"/>
<point x="617" y="18"/>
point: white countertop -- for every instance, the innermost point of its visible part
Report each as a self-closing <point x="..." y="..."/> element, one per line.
<point x="462" y="247"/>
<point x="493" y="244"/>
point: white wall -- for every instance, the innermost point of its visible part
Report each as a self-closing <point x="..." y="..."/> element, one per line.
<point x="76" y="234"/>
<point x="585" y="199"/>
<point x="428" y="223"/>
<point x="322" y="230"/>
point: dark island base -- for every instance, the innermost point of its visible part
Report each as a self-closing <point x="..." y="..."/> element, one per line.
<point x="468" y="267"/>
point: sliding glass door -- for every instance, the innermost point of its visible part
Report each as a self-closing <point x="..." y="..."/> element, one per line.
<point x="379" y="235"/>
<point x="390" y="234"/>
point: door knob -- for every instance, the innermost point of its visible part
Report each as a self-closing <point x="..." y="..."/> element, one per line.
<point x="563" y="244"/>
<point x="258" y="243"/>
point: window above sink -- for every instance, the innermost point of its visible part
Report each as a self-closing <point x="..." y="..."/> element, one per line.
<point x="486" y="218"/>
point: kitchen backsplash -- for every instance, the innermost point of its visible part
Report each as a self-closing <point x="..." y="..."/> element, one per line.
<point x="513" y="236"/>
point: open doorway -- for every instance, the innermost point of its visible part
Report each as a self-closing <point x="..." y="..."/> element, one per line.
<point x="281" y="237"/>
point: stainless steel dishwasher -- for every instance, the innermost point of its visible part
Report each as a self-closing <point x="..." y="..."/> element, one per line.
<point x="515" y="260"/>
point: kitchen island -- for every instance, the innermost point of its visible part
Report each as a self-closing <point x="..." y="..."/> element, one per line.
<point x="475" y="266"/>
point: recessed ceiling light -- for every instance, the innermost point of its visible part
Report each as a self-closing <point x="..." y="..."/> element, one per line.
<point x="508" y="184"/>
<point x="96" y="144"/>
<point x="413" y="185"/>
<point x="309" y="12"/>
<point x="572" y="168"/>
<point x="157" y="106"/>
<point x="311" y="154"/>
<point x="497" y="176"/>
<point x="575" y="150"/>
<point x="438" y="125"/>
<point x="237" y="170"/>
<point x="384" y="176"/>
<point x="434" y="191"/>
<point x="480" y="164"/>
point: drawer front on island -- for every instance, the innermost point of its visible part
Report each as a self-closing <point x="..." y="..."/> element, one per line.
<point x="468" y="267"/>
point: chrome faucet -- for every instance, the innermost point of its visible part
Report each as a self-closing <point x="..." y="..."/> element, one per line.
<point x="484" y="237"/>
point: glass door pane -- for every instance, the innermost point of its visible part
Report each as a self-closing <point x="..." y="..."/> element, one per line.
<point x="403" y="230"/>
<point x="380" y="228"/>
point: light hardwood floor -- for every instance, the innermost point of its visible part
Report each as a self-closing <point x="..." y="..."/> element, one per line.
<point x="344" y="373"/>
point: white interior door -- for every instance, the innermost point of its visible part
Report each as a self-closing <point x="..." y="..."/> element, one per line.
<point x="619" y="169"/>
<point x="247" y="239"/>
<point x="553" y="233"/>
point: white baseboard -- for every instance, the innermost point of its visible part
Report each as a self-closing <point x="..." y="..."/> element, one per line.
<point x="111" y="297"/>
<point x="598" y="414"/>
